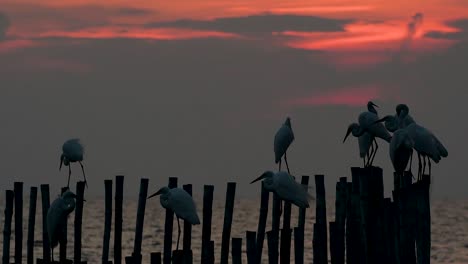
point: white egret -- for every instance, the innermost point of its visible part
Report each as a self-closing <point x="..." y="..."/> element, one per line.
<point x="401" y="150"/>
<point x="284" y="185"/>
<point x="367" y="124"/>
<point x="181" y="203"/>
<point x="57" y="218"/>
<point x="73" y="151"/>
<point x="283" y="138"/>
<point x="426" y="143"/>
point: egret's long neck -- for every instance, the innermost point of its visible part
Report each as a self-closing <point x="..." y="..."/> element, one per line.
<point x="372" y="109"/>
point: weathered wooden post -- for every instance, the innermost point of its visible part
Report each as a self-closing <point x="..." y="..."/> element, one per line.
<point x="187" y="243"/>
<point x="299" y="233"/>
<point x="155" y="258"/>
<point x="18" y="189"/>
<point x="228" y="211"/>
<point x="319" y="239"/>
<point x="9" y="198"/>
<point x="136" y="255"/>
<point x="118" y="219"/>
<point x="45" y="236"/>
<point x="285" y="244"/>
<point x="423" y="225"/>
<point x="273" y="251"/>
<point x="80" y="188"/>
<point x="63" y="240"/>
<point x="236" y="250"/>
<point x="272" y="247"/>
<point x="262" y="220"/>
<point x="333" y="229"/>
<point x="388" y="240"/>
<point x="168" y="225"/>
<point x="206" y="255"/>
<point x="107" y="221"/>
<point x="251" y="250"/>
<point x="340" y="220"/>
<point x="31" y="224"/>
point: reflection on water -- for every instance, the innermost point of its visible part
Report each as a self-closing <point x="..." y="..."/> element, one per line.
<point x="449" y="229"/>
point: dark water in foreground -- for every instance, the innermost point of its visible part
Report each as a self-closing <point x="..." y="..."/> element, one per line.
<point x="449" y="229"/>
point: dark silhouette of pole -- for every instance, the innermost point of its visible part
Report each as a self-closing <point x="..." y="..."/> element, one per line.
<point x="118" y="220"/>
<point x="250" y="237"/>
<point x="45" y="236"/>
<point x="107" y="220"/>
<point x="168" y="227"/>
<point x="206" y="256"/>
<point x="320" y="227"/>
<point x="262" y="220"/>
<point x="80" y="187"/>
<point x="228" y="211"/>
<point x="236" y="250"/>
<point x="155" y="258"/>
<point x="18" y="189"/>
<point x="31" y="224"/>
<point x="136" y="256"/>
<point x="9" y="198"/>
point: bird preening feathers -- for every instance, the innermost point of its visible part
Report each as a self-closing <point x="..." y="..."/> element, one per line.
<point x="72" y="151"/>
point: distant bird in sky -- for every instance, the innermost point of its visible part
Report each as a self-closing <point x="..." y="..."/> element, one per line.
<point x="283" y="138"/>
<point x="367" y="123"/>
<point x="73" y="151"/>
<point x="57" y="218"/>
<point x="284" y="185"/>
<point x="181" y="203"/>
<point x="401" y="150"/>
<point x="426" y="143"/>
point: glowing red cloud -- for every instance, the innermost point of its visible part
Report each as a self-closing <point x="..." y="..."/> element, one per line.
<point x="13" y="45"/>
<point x="350" y="97"/>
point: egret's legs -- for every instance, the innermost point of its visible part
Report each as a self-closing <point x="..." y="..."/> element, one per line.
<point x="279" y="166"/>
<point x="375" y="152"/>
<point x="178" y="236"/>
<point x="69" y="174"/>
<point x="419" y="165"/>
<point x="84" y="176"/>
<point x="52" y="254"/>
<point x="370" y="153"/>
<point x="429" y="161"/>
<point x="424" y="167"/>
<point x="286" y="161"/>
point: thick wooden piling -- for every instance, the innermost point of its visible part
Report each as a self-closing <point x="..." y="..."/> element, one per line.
<point x="228" y="212"/>
<point x="319" y="240"/>
<point x="236" y="250"/>
<point x="136" y="255"/>
<point x="423" y="224"/>
<point x="18" y="189"/>
<point x="285" y="243"/>
<point x="187" y="243"/>
<point x="63" y="240"/>
<point x="107" y="221"/>
<point x="262" y="220"/>
<point x="273" y="240"/>
<point x="155" y="258"/>
<point x="118" y="219"/>
<point x="178" y="257"/>
<point x="45" y="236"/>
<point x="9" y="198"/>
<point x="168" y="225"/>
<point x="251" y="250"/>
<point x="299" y="233"/>
<point x="333" y="229"/>
<point x="340" y="220"/>
<point x="80" y="188"/>
<point x="206" y="228"/>
<point x="31" y="225"/>
<point x="388" y="233"/>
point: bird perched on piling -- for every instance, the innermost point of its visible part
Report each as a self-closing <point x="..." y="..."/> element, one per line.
<point x="283" y="138"/>
<point x="57" y="218"/>
<point x="367" y="124"/>
<point x="401" y="150"/>
<point x="284" y="185"/>
<point x="426" y="143"/>
<point x="181" y="203"/>
<point x="72" y="151"/>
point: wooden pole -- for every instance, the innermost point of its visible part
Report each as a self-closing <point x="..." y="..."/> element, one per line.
<point x="340" y="220"/>
<point x="210" y="252"/>
<point x="136" y="255"/>
<point x="272" y="247"/>
<point x="178" y="257"/>
<point x="64" y="238"/>
<point x="273" y="252"/>
<point x="423" y="225"/>
<point x="187" y="243"/>
<point x="333" y="228"/>
<point x="285" y="244"/>
<point x="107" y="221"/>
<point x="262" y="220"/>
<point x="80" y="188"/>
<point x="320" y="227"/>
<point x="45" y="236"/>
<point x="168" y="227"/>
<point x="251" y="247"/>
<point x="31" y="224"/>
<point x="228" y="211"/>
<point x="156" y="258"/>
<point x="18" y="189"/>
<point x="118" y="219"/>
<point x="9" y="198"/>
<point x="299" y="233"/>
<point x="206" y="228"/>
<point x="236" y="250"/>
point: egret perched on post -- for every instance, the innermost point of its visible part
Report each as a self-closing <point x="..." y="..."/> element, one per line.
<point x="426" y="143"/>
<point x="181" y="203"/>
<point x="283" y="138"/>
<point x="73" y="151"/>
<point x="401" y="150"/>
<point x="367" y="124"/>
<point x="284" y="185"/>
<point x="57" y="218"/>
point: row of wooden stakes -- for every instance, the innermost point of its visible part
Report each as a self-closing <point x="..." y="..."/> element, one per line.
<point x="367" y="226"/>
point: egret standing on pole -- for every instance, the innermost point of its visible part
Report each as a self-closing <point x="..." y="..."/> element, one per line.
<point x="283" y="138"/>
<point x="72" y="152"/>
<point x="284" y="185"/>
<point x="181" y="203"/>
<point x="401" y="150"/>
<point x="57" y="218"/>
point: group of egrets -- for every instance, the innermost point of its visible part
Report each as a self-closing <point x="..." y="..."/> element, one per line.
<point x="407" y="136"/>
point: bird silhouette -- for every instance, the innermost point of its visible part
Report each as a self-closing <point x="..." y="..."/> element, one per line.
<point x="72" y="151"/>
<point x="283" y="139"/>
<point x="401" y="150"/>
<point x="284" y="185"/>
<point x="181" y="203"/>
